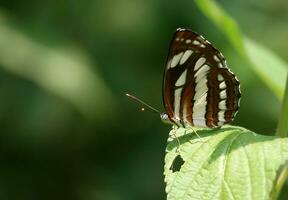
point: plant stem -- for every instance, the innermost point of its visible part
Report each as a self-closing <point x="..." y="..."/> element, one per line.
<point x="282" y="132"/>
<point x="280" y="180"/>
<point x="283" y="122"/>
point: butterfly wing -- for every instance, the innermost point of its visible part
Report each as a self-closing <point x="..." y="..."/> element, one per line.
<point x="198" y="87"/>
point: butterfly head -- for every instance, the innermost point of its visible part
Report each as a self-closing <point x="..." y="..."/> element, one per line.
<point x="164" y="117"/>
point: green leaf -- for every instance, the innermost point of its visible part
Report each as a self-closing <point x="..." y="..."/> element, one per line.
<point x="226" y="163"/>
<point x="269" y="67"/>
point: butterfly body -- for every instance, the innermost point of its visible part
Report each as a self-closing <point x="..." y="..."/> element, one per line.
<point x="198" y="88"/>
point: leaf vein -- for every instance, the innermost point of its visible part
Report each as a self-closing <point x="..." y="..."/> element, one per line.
<point x="249" y="169"/>
<point x="225" y="163"/>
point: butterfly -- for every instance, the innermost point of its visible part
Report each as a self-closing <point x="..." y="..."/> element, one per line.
<point x="199" y="89"/>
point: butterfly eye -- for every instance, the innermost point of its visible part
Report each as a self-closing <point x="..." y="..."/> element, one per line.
<point x="198" y="89"/>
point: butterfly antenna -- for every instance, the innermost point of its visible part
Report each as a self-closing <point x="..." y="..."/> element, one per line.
<point x="142" y="102"/>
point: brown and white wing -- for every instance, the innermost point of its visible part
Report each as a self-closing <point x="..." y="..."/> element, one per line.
<point x="198" y="87"/>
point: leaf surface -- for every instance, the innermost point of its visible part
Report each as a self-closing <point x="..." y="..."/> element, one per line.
<point x="226" y="163"/>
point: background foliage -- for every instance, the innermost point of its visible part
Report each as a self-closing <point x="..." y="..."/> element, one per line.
<point x="67" y="130"/>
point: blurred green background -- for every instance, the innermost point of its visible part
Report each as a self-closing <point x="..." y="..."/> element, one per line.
<point x="66" y="129"/>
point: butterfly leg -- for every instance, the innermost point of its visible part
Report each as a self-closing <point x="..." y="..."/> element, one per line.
<point x="195" y="132"/>
<point x="175" y="137"/>
<point x="197" y="135"/>
<point x="200" y="138"/>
